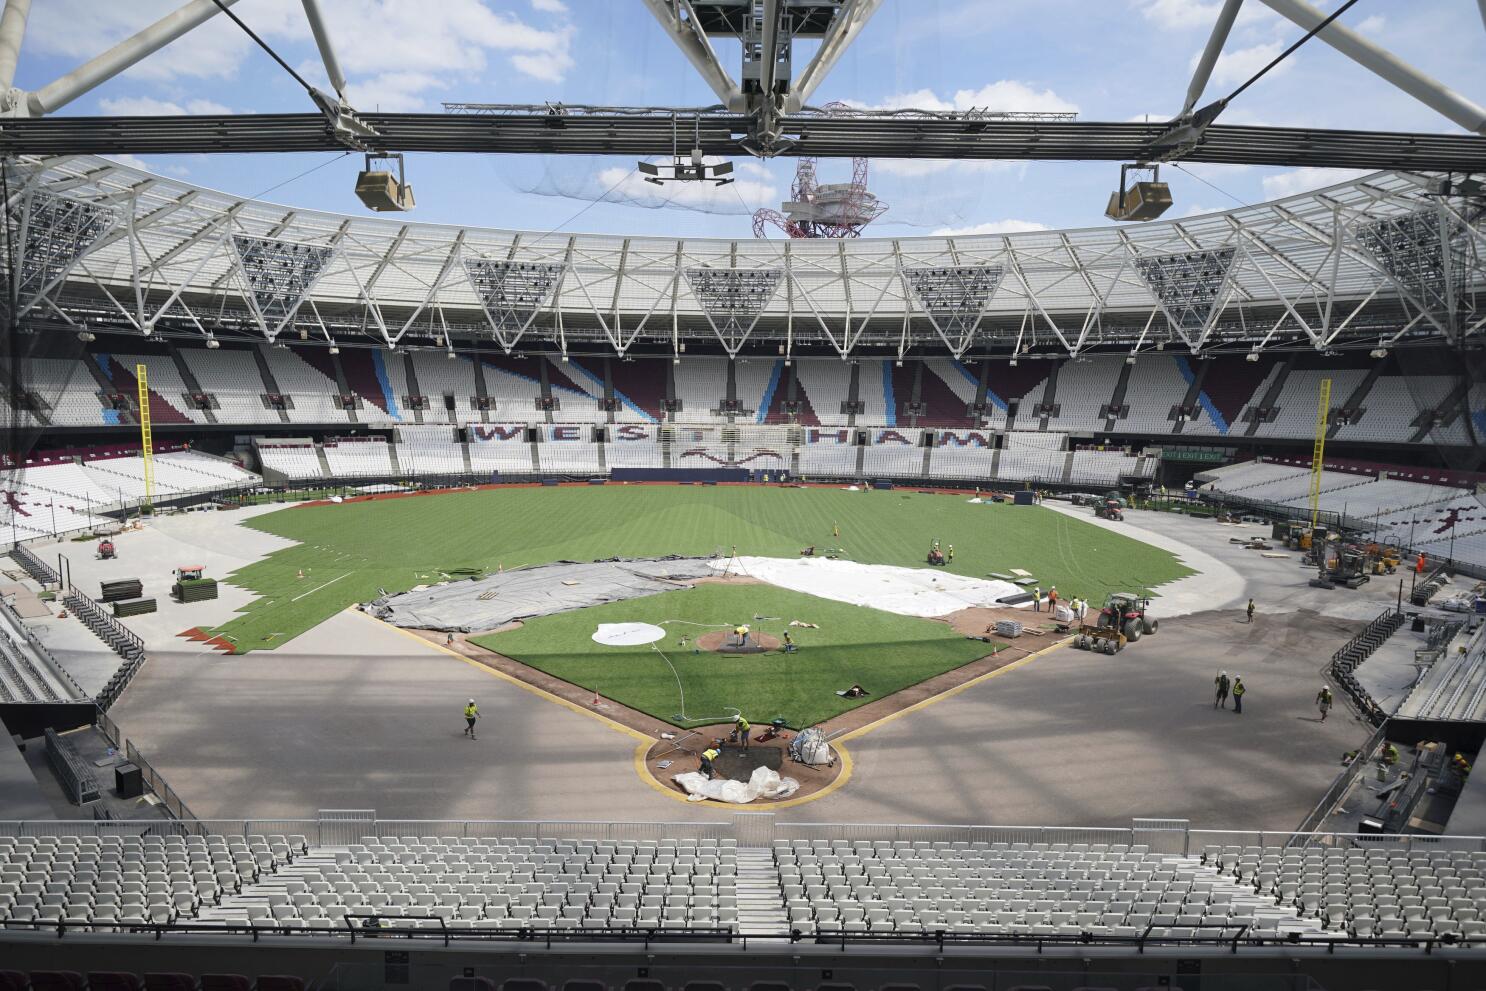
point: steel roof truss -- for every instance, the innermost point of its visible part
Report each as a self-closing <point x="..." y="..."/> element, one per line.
<point x="737" y="297"/>
<point x="512" y="294"/>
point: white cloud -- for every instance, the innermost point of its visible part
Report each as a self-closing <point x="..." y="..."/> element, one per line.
<point x="1376" y="24"/>
<point x="449" y="37"/>
<point x="134" y="162"/>
<point x="1184" y="15"/>
<point x="145" y="106"/>
<point x="550" y="67"/>
<point x="393" y="92"/>
<point x="455" y="38"/>
<point x="1004" y="94"/>
<point x="1238" y="65"/>
<point x="1179" y="14"/>
<point x="914" y="168"/>
<point x="82" y="29"/>
<point x="992" y="227"/>
<point x="1198" y="209"/>
<point x="756" y="169"/>
<point x="1304" y="180"/>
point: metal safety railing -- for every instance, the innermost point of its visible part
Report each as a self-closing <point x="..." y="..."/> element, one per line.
<point x="435" y="930"/>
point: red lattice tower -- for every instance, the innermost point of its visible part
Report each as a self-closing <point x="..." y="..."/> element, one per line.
<point x="836" y="210"/>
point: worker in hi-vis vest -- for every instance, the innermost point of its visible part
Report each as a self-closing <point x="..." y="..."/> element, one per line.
<point x="708" y="756"/>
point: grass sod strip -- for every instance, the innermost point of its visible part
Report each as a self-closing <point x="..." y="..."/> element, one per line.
<point x="882" y="651"/>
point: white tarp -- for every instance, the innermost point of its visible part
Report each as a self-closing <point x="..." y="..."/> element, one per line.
<point x="905" y="591"/>
<point x="467" y="606"/>
<point x="763" y="783"/>
<point x="627" y="634"/>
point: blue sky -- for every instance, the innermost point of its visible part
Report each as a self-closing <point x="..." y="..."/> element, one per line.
<point x="1105" y="59"/>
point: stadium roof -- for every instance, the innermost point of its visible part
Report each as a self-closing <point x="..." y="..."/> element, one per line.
<point x="113" y="247"/>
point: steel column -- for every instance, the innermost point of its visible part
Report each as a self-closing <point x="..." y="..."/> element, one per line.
<point x="1426" y="90"/>
<point x="13" y="31"/>
<point x="327" y="51"/>
<point x="1204" y="70"/>
<point x="90" y="74"/>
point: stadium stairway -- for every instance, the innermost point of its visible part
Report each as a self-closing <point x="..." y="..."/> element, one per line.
<point x="760" y="904"/>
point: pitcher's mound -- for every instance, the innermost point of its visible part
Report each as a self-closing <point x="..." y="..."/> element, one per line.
<point x="725" y="642"/>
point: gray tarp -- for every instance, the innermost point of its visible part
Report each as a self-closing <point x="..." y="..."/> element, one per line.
<point x="469" y="606"/>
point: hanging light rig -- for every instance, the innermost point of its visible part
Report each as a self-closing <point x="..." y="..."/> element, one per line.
<point x="379" y="189"/>
<point x="1145" y="200"/>
<point x="691" y="168"/>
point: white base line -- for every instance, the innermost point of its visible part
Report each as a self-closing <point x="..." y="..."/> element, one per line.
<point x="314" y="590"/>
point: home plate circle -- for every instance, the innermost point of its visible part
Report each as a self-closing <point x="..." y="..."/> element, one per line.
<point x="627" y="634"/>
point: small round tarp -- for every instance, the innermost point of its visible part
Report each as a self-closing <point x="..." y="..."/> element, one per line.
<point x="627" y="634"/>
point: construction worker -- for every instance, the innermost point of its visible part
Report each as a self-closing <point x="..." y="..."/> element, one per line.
<point x="1037" y="598"/>
<point x="1220" y="690"/>
<point x="1389" y="756"/>
<point x="708" y="756"/>
<point x="951" y="553"/>
<point x="471" y="713"/>
<point x="1052" y="599"/>
<point x="789" y="643"/>
<point x="1323" y="701"/>
<point x="741" y="729"/>
<point x="1238" y="694"/>
<point x="1250" y="610"/>
<point x="741" y="632"/>
<point x="835" y="531"/>
<point x="1460" y="765"/>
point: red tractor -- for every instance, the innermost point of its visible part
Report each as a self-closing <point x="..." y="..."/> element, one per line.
<point x="106" y="551"/>
<point x="1110" y="510"/>
<point x="1127" y="613"/>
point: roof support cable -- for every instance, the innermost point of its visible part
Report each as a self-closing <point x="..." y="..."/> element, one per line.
<point x="348" y="128"/>
<point x="1186" y="132"/>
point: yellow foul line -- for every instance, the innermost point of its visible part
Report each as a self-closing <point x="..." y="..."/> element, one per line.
<point x="646" y="741"/>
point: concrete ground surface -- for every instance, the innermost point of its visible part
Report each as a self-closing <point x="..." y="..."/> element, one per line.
<point x="355" y="714"/>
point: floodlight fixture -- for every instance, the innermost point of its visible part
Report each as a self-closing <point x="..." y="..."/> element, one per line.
<point x="1145" y="200"/>
<point x="1251" y="356"/>
<point x="379" y="189"/>
<point x="212" y="343"/>
<point x="1378" y="352"/>
<point x="334" y="349"/>
<point x="691" y="167"/>
<point x="86" y="336"/>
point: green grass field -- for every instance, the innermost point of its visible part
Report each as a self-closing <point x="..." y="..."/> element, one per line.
<point x="350" y="552"/>
<point x="882" y="651"/>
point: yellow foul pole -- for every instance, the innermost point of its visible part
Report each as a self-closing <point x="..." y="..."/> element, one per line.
<point x="146" y="441"/>
<point x="1318" y="452"/>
